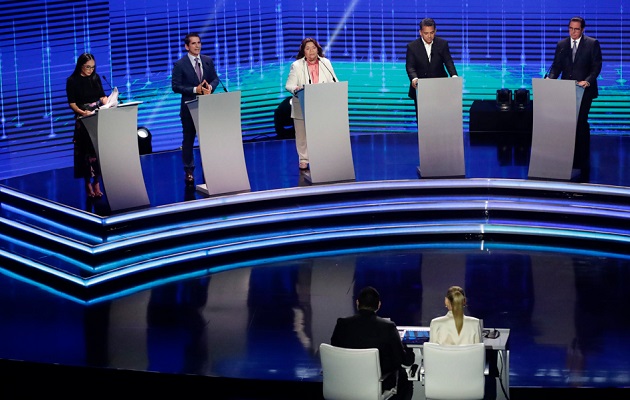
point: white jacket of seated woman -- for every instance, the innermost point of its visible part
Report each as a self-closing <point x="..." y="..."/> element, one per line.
<point x="444" y="331"/>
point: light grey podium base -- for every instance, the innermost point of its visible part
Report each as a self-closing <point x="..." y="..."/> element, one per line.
<point x="217" y="119"/>
<point x="114" y="133"/>
<point x="325" y="110"/>
<point x="440" y="128"/>
<point x="556" y="108"/>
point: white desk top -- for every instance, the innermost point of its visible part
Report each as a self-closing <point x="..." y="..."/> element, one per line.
<point x="499" y="343"/>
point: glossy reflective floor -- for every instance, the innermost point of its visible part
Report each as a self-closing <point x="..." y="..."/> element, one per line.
<point x="263" y="323"/>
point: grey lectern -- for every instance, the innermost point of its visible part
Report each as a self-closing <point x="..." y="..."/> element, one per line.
<point x="556" y="108"/>
<point x="114" y="133"/>
<point x="217" y="119"/>
<point x="325" y="110"/>
<point x="440" y="128"/>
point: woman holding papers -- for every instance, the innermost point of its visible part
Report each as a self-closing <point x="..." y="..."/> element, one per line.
<point x="309" y="68"/>
<point x="455" y="328"/>
<point x="85" y="94"/>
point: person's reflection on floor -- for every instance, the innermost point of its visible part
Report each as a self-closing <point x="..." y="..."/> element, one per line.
<point x="176" y="324"/>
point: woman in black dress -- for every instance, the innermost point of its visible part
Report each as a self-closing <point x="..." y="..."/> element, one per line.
<point x="85" y="94"/>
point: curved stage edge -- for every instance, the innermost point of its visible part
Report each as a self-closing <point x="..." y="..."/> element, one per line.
<point x="90" y="258"/>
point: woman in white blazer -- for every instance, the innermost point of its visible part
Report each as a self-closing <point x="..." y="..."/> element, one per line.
<point x="310" y="67"/>
<point x="455" y="328"/>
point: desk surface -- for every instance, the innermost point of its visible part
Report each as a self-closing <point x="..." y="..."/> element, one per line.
<point x="500" y="343"/>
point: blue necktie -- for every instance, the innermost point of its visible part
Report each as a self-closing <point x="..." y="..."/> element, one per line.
<point x="574" y="50"/>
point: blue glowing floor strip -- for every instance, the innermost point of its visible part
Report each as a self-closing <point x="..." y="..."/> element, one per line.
<point x="327" y="190"/>
<point x="456" y="246"/>
<point x="43" y="267"/>
<point x="79" y="214"/>
<point x="352" y="233"/>
<point x="53" y="224"/>
<point x="172" y="231"/>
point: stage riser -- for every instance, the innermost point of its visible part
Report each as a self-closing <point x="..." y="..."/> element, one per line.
<point x="88" y="256"/>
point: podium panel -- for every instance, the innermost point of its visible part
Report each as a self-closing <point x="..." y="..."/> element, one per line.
<point x="114" y="133"/>
<point x="217" y="119"/>
<point x="440" y="128"/>
<point x="325" y="110"/>
<point x="556" y="106"/>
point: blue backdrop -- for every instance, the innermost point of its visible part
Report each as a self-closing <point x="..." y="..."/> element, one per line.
<point x="495" y="43"/>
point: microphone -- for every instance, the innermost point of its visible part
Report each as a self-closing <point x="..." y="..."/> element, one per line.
<point x="329" y="71"/>
<point x="307" y="71"/>
<point x="106" y="81"/>
<point x="551" y="66"/>
<point x="111" y="90"/>
<point x="222" y="85"/>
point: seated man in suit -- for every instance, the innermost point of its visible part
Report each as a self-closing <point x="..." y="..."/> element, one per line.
<point x="365" y="330"/>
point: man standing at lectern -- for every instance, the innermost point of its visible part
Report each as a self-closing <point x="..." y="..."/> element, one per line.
<point x="193" y="75"/>
<point x="579" y="58"/>
<point x="427" y="57"/>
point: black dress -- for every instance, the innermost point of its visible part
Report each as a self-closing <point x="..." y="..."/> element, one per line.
<point x="83" y="91"/>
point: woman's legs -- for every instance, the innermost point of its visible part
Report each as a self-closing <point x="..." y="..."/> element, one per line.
<point x="88" y="188"/>
<point x="300" y="142"/>
<point x="96" y="187"/>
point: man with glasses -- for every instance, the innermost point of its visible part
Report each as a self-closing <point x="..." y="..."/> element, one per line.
<point x="579" y="58"/>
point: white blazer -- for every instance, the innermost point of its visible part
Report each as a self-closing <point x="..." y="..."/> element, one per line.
<point x="299" y="77"/>
<point x="443" y="330"/>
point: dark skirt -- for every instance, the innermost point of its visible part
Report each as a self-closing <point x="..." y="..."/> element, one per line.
<point x="86" y="164"/>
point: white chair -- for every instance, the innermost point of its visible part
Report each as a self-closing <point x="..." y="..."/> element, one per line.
<point x="454" y="372"/>
<point x="352" y="374"/>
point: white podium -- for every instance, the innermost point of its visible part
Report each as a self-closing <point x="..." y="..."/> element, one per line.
<point x="556" y="108"/>
<point x="325" y="110"/>
<point x="440" y="128"/>
<point x="114" y="133"/>
<point x="217" y="119"/>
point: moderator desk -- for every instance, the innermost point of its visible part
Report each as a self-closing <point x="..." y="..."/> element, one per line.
<point x="495" y="346"/>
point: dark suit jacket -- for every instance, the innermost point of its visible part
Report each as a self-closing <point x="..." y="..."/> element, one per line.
<point x="364" y="331"/>
<point x="586" y="67"/>
<point x="184" y="79"/>
<point x="418" y="65"/>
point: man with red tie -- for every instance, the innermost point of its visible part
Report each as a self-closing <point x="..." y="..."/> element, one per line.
<point x="579" y="58"/>
<point x="193" y="75"/>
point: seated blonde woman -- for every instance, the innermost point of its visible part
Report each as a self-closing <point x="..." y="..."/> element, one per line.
<point x="455" y="328"/>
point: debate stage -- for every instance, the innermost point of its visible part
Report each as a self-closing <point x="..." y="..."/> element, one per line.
<point x="237" y="291"/>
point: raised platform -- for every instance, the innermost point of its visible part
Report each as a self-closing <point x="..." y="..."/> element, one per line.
<point x="91" y="257"/>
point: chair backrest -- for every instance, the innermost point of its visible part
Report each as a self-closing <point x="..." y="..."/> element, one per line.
<point x="454" y="372"/>
<point x="350" y="374"/>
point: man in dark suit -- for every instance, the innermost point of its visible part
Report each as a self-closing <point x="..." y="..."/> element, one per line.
<point x="579" y="58"/>
<point x="193" y="75"/>
<point x="428" y="57"/>
<point x="365" y="330"/>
